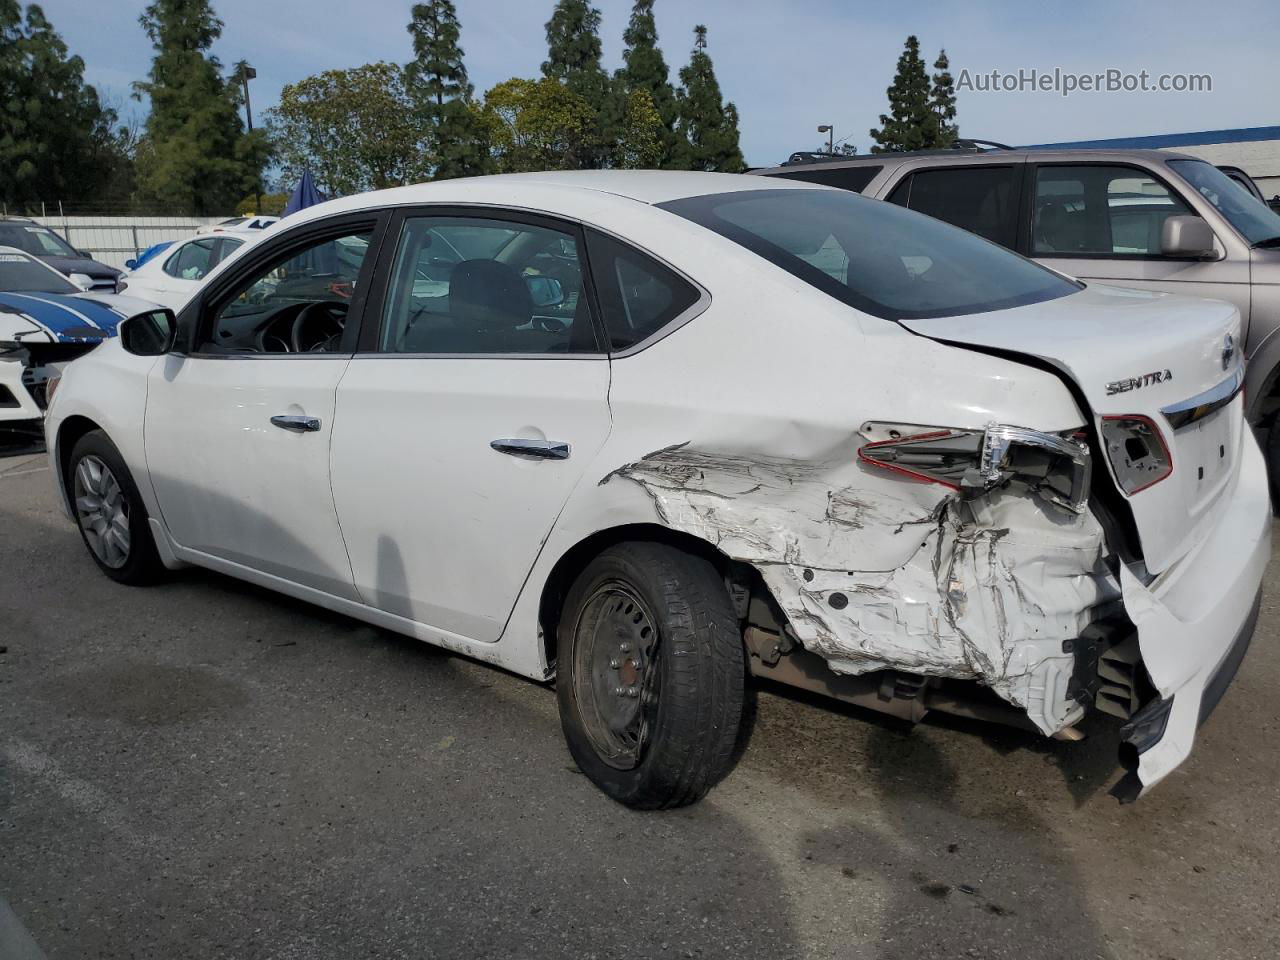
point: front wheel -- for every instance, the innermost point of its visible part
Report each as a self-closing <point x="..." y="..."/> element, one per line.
<point x="109" y="511"/>
<point x="651" y="675"/>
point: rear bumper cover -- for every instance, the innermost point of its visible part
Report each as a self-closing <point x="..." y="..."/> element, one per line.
<point x="1195" y="622"/>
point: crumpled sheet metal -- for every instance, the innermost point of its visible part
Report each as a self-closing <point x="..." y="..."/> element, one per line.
<point x="877" y="573"/>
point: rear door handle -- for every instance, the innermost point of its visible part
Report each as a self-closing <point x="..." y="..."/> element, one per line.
<point x="546" y="449"/>
<point x="297" y="424"/>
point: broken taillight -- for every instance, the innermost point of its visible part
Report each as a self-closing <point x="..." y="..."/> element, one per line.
<point x="1056" y="466"/>
<point x="1137" y="451"/>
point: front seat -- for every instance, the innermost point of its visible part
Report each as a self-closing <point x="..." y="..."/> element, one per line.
<point x="488" y="300"/>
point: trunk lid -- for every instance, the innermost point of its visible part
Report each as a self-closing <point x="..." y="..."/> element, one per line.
<point x="1140" y="353"/>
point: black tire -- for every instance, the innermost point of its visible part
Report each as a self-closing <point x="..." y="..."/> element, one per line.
<point x="141" y="564"/>
<point x="691" y="677"/>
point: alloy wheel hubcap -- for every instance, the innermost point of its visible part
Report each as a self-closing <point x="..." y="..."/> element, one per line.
<point x="102" y="511"/>
<point x="615" y="676"/>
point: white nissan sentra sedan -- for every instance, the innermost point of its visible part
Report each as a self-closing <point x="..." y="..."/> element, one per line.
<point x="650" y="433"/>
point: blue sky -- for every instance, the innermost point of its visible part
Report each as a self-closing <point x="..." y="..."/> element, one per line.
<point x="787" y="66"/>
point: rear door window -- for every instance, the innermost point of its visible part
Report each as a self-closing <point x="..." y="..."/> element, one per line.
<point x="479" y="286"/>
<point x="1099" y="211"/>
<point x="982" y="200"/>
<point x="192" y="261"/>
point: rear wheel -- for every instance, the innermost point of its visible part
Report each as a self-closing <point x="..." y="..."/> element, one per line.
<point x="651" y="675"/>
<point x="109" y="511"/>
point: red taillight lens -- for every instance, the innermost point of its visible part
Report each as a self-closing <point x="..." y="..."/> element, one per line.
<point x="1137" y="450"/>
<point x="1056" y="467"/>
<point x="938" y="456"/>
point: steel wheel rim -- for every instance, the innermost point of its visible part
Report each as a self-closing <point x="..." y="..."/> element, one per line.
<point x="615" y="673"/>
<point x="102" y="510"/>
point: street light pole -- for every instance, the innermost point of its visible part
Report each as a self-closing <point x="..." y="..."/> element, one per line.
<point x="248" y="73"/>
<point x="829" y="130"/>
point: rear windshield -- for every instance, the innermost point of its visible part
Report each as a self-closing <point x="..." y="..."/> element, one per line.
<point x="875" y="256"/>
<point x="19" y="274"/>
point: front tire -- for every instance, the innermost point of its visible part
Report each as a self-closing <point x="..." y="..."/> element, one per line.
<point x="651" y="675"/>
<point x="110" y="513"/>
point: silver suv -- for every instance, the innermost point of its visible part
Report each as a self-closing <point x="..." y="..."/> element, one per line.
<point x="1134" y="218"/>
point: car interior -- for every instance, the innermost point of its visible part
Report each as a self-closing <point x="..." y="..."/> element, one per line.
<point x="471" y="286"/>
<point x="298" y="305"/>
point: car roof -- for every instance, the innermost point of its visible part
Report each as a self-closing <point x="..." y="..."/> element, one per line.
<point x="971" y="157"/>
<point x="531" y="189"/>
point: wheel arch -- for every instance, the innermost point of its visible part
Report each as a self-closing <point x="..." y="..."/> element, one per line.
<point x="69" y="433"/>
<point x="1262" y="380"/>
<point x="575" y="559"/>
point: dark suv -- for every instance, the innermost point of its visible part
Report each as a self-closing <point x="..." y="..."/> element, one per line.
<point x="39" y="241"/>
<point x="1136" y="218"/>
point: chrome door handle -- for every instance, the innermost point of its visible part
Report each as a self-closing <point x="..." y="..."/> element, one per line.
<point x="297" y="424"/>
<point x="546" y="449"/>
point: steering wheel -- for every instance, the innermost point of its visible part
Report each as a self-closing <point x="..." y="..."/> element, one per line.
<point x="329" y="318"/>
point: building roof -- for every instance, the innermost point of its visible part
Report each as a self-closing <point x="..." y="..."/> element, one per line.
<point x="1162" y="141"/>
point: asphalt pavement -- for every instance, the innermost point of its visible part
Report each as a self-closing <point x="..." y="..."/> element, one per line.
<point x="206" y="769"/>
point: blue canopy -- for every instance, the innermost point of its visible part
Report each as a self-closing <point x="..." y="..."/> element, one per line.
<point x="304" y="195"/>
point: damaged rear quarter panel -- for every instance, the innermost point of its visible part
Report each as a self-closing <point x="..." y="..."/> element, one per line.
<point x="872" y="569"/>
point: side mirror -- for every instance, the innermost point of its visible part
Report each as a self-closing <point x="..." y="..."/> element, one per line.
<point x="545" y="291"/>
<point x="131" y="264"/>
<point x="86" y="254"/>
<point x="150" y="334"/>
<point x="1187" y="236"/>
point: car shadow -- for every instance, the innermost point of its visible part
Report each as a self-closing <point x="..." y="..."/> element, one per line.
<point x="416" y="799"/>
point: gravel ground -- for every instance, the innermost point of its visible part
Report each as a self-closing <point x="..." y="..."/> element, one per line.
<point x="205" y="769"/>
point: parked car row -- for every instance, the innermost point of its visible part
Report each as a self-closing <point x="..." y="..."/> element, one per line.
<point x="651" y="433"/>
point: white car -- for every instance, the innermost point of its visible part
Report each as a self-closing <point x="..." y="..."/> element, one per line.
<point x="46" y="321"/>
<point x="173" y="275"/>
<point x="249" y="224"/>
<point x="658" y="431"/>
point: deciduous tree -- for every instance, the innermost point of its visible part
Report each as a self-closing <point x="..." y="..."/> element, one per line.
<point x="353" y="129"/>
<point x="640" y="144"/>
<point x="538" y="125"/>
<point x="57" y="140"/>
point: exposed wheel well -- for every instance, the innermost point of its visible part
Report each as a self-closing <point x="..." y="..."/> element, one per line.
<point x="575" y="560"/>
<point x="71" y="430"/>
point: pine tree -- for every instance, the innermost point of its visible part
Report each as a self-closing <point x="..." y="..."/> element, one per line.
<point x="910" y="124"/>
<point x="707" y="126"/>
<point x="574" y="51"/>
<point x="573" y="58"/>
<point x="441" y="92"/>
<point x="56" y="137"/>
<point x="942" y="101"/>
<point x="646" y="70"/>
<point x="196" y="155"/>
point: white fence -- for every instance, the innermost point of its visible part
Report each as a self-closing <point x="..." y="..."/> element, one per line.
<point x="113" y="240"/>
